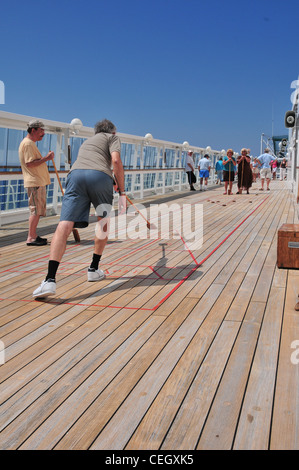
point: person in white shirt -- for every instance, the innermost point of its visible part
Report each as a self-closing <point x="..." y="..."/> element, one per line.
<point x="204" y="171"/>
<point x="189" y="168"/>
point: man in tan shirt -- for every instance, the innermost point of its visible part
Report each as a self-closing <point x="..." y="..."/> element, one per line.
<point x="36" y="178"/>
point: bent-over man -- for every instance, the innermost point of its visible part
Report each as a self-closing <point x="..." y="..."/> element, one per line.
<point x="90" y="181"/>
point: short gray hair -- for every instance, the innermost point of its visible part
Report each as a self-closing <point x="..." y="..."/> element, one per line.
<point x="104" y="126"/>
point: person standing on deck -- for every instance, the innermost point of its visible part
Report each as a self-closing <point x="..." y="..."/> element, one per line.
<point x="229" y="164"/>
<point x="90" y="181"/>
<point x="244" y="172"/>
<point x="255" y="169"/>
<point x="204" y="167"/>
<point x="274" y="168"/>
<point x="264" y="161"/>
<point x="219" y="170"/>
<point x="36" y="178"/>
<point x="248" y="153"/>
<point x="283" y="167"/>
<point x="189" y="168"/>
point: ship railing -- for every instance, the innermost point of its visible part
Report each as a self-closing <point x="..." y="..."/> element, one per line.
<point x="139" y="183"/>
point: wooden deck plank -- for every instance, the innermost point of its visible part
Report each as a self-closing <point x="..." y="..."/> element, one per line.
<point x="255" y="419"/>
<point x="284" y="435"/>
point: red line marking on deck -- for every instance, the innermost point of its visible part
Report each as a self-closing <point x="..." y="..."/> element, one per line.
<point x="190" y="252"/>
<point x="75" y="304"/>
<point x="175" y="288"/>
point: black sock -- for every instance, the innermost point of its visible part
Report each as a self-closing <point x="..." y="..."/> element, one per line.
<point x="52" y="269"/>
<point x="95" y="261"/>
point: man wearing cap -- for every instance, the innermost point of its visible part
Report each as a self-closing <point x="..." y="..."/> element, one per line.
<point x="36" y="178"/>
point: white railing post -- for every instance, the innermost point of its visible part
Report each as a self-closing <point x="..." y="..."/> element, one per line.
<point x="141" y="173"/>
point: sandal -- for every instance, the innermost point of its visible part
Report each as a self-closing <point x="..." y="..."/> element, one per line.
<point x="38" y="242"/>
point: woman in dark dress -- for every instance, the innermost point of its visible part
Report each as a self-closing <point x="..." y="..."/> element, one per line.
<point x="244" y="172"/>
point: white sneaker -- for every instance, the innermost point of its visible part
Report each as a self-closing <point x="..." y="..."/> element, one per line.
<point x="95" y="275"/>
<point x="45" y="289"/>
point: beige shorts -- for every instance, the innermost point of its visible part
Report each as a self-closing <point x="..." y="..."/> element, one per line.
<point x="255" y="170"/>
<point x="266" y="173"/>
<point x="37" y="200"/>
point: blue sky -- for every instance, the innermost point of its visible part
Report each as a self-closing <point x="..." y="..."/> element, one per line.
<point x="215" y="73"/>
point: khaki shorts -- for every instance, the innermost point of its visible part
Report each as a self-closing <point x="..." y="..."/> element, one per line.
<point x="266" y="173"/>
<point x="37" y="200"/>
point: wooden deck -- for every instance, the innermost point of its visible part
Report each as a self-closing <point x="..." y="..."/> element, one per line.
<point x="175" y="349"/>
